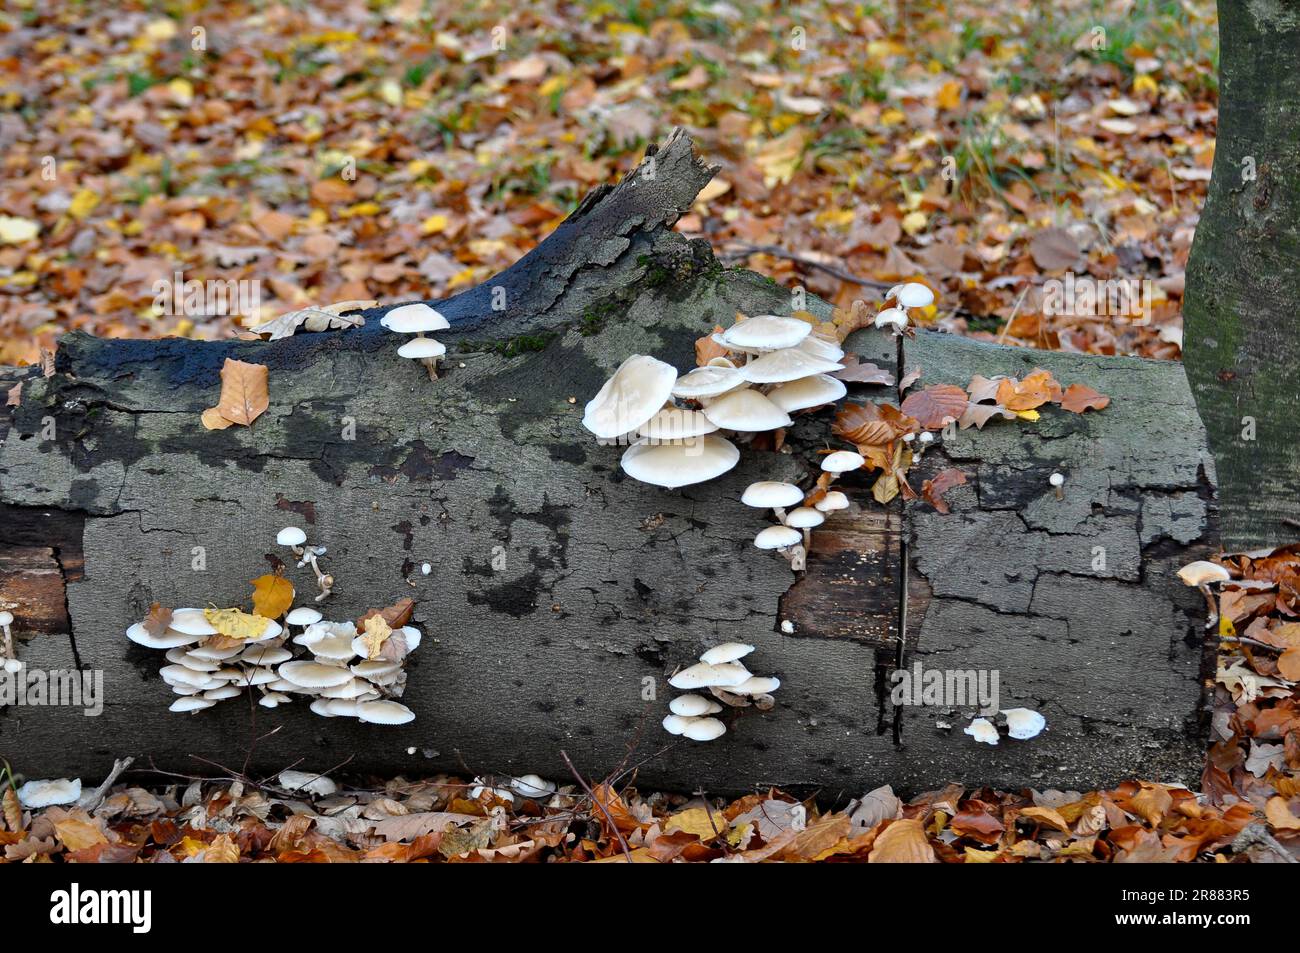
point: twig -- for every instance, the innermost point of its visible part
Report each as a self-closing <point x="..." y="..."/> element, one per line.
<point x="93" y="799"/>
<point x="627" y="851"/>
<point x="1014" y="311"/>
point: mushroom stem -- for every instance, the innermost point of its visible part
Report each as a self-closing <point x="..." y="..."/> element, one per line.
<point x="780" y="513"/>
<point x="807" y="540"/>
<point x="1212" y="610"/>
<point x="323" y="579"/>
<point x="431" y="364"/>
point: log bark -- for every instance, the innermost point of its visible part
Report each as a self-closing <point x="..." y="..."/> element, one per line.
<point x="608" y="585"/>
<point x="1243" y="278"/>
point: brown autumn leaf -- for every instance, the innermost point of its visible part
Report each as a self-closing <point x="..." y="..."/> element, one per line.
<point x="977" y="415"/>
<point x="932" y="491"/>
<point x="272" y="595"/>
<point x="871" y="424"/>
<point x="983" y="388"/>
<point x="212" y="420"/>
<point x="1048" y="816"/>
<point x="244" y="394"/>
<point x="862" y="372"/>
<point x="706" y="349"/>
<point x="156" y="622"/>
<point x="14" y="396"/>
<point x="936" y="405"/>
<point x="396" y="615"/>
<point x="1078" y="398"/>
<point x="13" y="810"/>
<point x="902" y="842"/>
<point x="1288" y="664"/>
<point x="1280" y="815"/>
<point x="1054" y="249"/>
<point x="76" y="834"/>
<point x="910" y="378"/>
<point x="222" y="850"/>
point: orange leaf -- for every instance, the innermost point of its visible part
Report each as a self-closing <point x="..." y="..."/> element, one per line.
<point x="1288" y="664"/>
<point x="1078" y="398"/>
<point x="272" y="596"/>
<point x="933" y="490"/>
<point x="77" y="834"/>
<point x="1034" y="391"/>
<point x="706" y="349"/>
<point x="156" y="622"/>
<point x="244" y="393"/>
<point x="936" y="405"/>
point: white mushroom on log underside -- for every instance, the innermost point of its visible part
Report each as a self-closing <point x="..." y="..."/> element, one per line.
<point x="719" y="670"/>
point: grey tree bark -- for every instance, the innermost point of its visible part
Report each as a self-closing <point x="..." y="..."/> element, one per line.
<point x="607" y="584"/>
<point x="1243" y="279"/>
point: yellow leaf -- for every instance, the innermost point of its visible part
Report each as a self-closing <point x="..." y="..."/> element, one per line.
<point x="236" y="624"/>
<point x="182" y="91"/>
<point x="390" y="91"/>
<point x="695" y="820"/>
<point x="1030" y="415"/>
<point x="190" y="846"/>
<point x="15" y="231"/>
<point x="779" y="159"/>
<point x="83" y="203"/>
<point x="1143" y="83"/>
<point x="272" y="595"/>
<point x="364" y="209"/>
<point x="377" y="631"/>
<point x="1280" y="816"/>
<point x="434" y="224"/>
<point x="892" y="117"/>
<point x="949" y="96"/>
<point x="77" y="834"/>
<point x="913" y="222"/>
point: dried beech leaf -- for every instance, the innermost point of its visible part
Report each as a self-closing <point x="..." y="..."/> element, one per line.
<point x="902" y="842"/>
<point x="156" y="622"/>
<point x="932" y="491"/>
<point x="862" y="372"/>
<point x="244" y="394"/>
<point x="936" y="405"/>
<point x="272" y="595"/>
<point x="1078" y="398"/>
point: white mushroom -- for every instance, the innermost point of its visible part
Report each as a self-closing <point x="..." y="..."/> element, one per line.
<point x="813" y="391"/>
<point x="303" y="615"/>
<point x="982" y="730"/>
<point x="805" y="518"/>
<point x="756" y="685"/>
<point x="693" y="706"/>
<point x="680" y="464"/>
<point x="778" y="537"/>
<point x="1201" y="574"/>
<point x="273" y="700"/>
<point x="637" y="391"/>
<point x="1057" y="481"/>
<point x="191" y="622"/>
<point x="765" y="332"/>
<point x="820" y="347"/>
<point x="895" y="318"/>
<point x="913" y="294"/>
<point x="314" y="674"/>
<point x="222" y="692"/>
<point x="169" y="639"/>
<point x="36" y="794"/>
<point x="834" y="500"/>
<point x="385" y="713"/>
<point x="703" y="729"/>
<point x="426" y="351"/>
<point x="316" y="784"/>
<point x="291" y="536"/>
<point x="703" y="675"/>
<point x="415" y="318"/>
<point x="726" y="652"/>
<point x="841" y="461"/>
<point x="746" y="410"/>
<point x="191" y="704"/>
<point x="675" y="724"/>
<point x="785" y="365"/>
<point x="676" y="423"/>
<point x="1024" y="723"/>
<point x="532" y="786"/>
<point x="708" y="381"/>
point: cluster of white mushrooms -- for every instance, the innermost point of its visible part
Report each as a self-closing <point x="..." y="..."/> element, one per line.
<point x="680" y="429"/>
<point x="418" y="320"/>
<point x="343" y="672"/>
<point x="296" y="539"/>
<point x="1022" y="724"/>
<point x="898" y="300"/>
<point x="728" y="681"/>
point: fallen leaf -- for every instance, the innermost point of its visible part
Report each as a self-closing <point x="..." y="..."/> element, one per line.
<point x="244" y="394"/>
<point x="1054" y="249"/>
<point x="272" y="595"/>
<point x="327" y="318"/>
<point x="902" y="842"/>
<point x="396" y="615"/>
<point x="932" y="491"/>
<point x="235" y="624"/>
<point x="1078" y="398"/>
<point x="375" y="632"/>
<point x="936" y="405"/>
<point x="862" y="372"/>
<point x="76" y="834"/>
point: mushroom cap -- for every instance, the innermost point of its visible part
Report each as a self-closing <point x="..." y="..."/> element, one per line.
<point x="703" y="729"/>
<point x="778" y="537"/>
<point x="818" y="346"/>
<point x="274" y="700"/>
<point x="208" y="653"/>
<point x="353" y="688"/>
<point x="265" y="655"/>
<point x="785" y="365"/>
<point x="36" y="794"/>
<point x="637" y="391"/>
<point x="314" y="674"/>
<point x="374" y="669"/>
<point x="765" y="332"/>
<point x="680" y="464"/>
<point x="321" y="706"/>
<point x="982" y="730"/>
<point x="805" y="517"/>
<point x="769" y="494"/>
<point x="842" y="461"/>
<point x="693" y="706"/>
<point x="832" y="501"/>
<point x="913" y="294"/>
<point x="1201" y="572"/>
<point x="191" y="622"/>
<point x="676" y="423"/>
<point x="532" y="785"/>
<point x="746" y="410"/>
<point x="336" y="648"/>
<point x="198" y="664"/>
<point x="255" y="676"/>
<point x="170" y="639"/>
<point x="413" y="319"/>
<point x="422" y="347"/>
<point x="6" y="617"/>
<point x="303" y="615"/>
<point x="191" y="704"/>
<point x="710" y="381"/>
<point x="171" y="674"/>
<point x="1056" y="479"/>
<point x="385" y="713"/>
<point x="891" y="317"/>
<point x="318" y="784"/>
<point x="1024" y="723"/>
<point x="704" y="675"/>
<point x="726" y="652"/>
<point x="811" y="391"/>
<point x="756" y="685"/>
<point x="675" y="724"/>
<point x="222" y="692"/>
<point x="290" y="536"/>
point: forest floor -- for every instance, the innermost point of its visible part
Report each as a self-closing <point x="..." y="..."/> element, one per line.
<point x="346" y="151"/>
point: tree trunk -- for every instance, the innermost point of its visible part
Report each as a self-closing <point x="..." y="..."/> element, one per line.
<point x="1243" y="280"/>
<point x="608" y="585"/>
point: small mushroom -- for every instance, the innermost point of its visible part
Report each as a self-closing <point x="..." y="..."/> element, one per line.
<point x="533" y="786"/>
<point x="11" y="663"/>
<point x="708" y="381"/>
<point x="1202" y="574"/>
<point x="192" y="704"/>
<point x="813" y="391"/>
<point x="834" y="500"/>
<point x="770" y="494"/>
<point x="693" y="706"/>
<point x="746" y="411"/>
<point x="704" y="675"/>
<point x="637" y="391"/>
<point x="841" y="461"/>
<point x="679" y="463"/>
<point x="726" y="652"/>
<point x="892" y="318"/>
<point x="36" y="794"/>
<point x="765" y="332"/>
<point x="703" y="729"/>
<point x="805" y="518"/>
<point x="316" y="784"/>
<point x="982" y="730"/>
<point x="786" y="365"/>
<point x="385" y="713"/>
<point x="1024" y="723"/>
<point x="418" y="319"/>
<point x="912" y="294"/>
<point x="426" y="351"/>
<point x="1057" y="481"/>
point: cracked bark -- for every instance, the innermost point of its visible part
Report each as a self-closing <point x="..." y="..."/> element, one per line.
<point x="608" y="585"/>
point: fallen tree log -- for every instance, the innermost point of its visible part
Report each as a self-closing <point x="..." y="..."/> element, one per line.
<point x="561" y="595"/>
